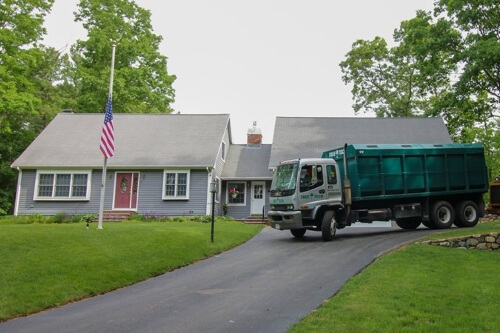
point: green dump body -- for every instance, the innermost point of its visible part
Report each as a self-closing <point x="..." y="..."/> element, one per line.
<point x="381" y="172"/>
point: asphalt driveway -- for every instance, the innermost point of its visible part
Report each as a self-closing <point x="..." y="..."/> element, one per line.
<point x="265" y="285"/>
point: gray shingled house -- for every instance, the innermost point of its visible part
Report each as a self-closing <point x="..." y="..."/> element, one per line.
<point x="163" y="164"/>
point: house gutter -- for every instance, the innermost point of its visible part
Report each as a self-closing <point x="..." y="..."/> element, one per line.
<point x="208" y="210"/>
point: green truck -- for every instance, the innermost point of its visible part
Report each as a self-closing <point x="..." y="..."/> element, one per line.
<point x="436" y="185"/>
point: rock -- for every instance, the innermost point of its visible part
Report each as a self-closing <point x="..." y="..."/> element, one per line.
<point x="489" y="239"/>
<point x="472" y="242"/>
<point x="483" y="246"/>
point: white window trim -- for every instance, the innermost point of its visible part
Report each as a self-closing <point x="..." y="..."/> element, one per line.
<point x="223" y="151"/>
<point x="163" y="191"/>
<point x="244" y="203"/>
<point x="60" y="172"/>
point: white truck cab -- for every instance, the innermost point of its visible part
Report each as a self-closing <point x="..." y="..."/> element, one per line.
<point x="302" y="192"/>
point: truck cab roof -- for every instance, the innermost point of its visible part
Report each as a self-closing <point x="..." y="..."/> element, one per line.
<point x="307" y="161"/>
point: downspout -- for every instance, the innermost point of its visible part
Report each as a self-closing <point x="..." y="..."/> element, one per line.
<point x="18" y="191"/>
<point x="208" y="209"/>
<point x="347" y="188"/>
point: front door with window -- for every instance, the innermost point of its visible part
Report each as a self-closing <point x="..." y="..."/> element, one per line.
<point x="126" y="190"/>
<point x="258" y="197"/>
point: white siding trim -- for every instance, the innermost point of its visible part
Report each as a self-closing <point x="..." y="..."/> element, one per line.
<point x="208" y="210"/>
<point x="18" y="191"/>
<point x="188" y="184"/>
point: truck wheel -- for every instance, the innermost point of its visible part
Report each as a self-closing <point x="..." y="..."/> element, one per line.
<point x="467" y="214"/>
<point x="442" y="215"/>
<point x="409" y="223"/>
<point x="298" y="232"/>
<point x="328" y="226"/>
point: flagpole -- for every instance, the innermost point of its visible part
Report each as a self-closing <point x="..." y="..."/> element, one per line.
<point x="103" y="181"/>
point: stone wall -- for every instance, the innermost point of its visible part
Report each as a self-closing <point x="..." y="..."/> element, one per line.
<point x="489" y="241"/>
<point x="489" y="217"/>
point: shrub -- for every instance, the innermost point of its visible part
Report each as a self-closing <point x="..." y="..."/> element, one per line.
<point x="202" y="219"/>
<point x="135" y="217"/>
<point x="88" y="218"/>
<point x="37" y="218"/>
<point x="61" y="217"/>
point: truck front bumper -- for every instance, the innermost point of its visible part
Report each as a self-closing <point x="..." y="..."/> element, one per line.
<point x="284" y="220"/>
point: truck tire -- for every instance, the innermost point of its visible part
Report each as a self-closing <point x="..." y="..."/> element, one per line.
<point x="442" y="215"/>
<point x="328" y="226"/>
<point x="467" y="214"/>
<point x="298" y="232"/>
<point x="409" y="223"/>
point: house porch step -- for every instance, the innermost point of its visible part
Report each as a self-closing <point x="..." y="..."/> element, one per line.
<point x="116" y="215"/>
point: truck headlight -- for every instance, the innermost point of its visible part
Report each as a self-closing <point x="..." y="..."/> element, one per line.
<point x="282" y="207"/>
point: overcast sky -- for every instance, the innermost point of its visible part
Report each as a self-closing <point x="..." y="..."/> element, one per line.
<point x="257" y="60"/>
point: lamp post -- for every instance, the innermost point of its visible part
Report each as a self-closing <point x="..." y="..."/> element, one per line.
<point x="213" y="190"/>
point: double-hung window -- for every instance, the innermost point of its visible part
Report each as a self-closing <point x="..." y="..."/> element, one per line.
<point x="236" y="193"/>
<point x="62" y="185"/>
<point x="176" y="184"/>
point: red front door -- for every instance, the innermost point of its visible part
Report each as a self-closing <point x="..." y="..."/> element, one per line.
<point x="126" y="190"/>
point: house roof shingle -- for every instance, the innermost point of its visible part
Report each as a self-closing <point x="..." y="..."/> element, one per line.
<point x="299" y="137"/>
<point x="244" y="161"/>
<point x="141" y="140"/>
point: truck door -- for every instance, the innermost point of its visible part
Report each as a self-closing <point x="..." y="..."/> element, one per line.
<point x="333" y="185"/>
<point x="311" y="184"/>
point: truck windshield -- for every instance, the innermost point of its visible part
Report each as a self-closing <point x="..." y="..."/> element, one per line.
<point x="284" y="180"/>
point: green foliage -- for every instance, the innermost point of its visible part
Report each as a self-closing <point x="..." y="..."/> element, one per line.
<point x="61" y="217"/>
<point x="141" y="81"/>
<point x="78" y="268"/>
<point x="402" y="81"/>
<point x="88" y="218"/>
<point x="37" y="218"/>
<point x="27" y="100"/>
<point x="151" y="217"/>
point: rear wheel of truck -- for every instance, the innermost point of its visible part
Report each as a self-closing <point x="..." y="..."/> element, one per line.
<point x="442" y="215"/>
<point x="409" y="223"/>
<point x="467" y="214"/>
<point x="328" y="226"/>
<point x="298" y="232"/>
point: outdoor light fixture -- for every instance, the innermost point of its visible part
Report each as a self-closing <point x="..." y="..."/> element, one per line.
<point x="213" y="187"/>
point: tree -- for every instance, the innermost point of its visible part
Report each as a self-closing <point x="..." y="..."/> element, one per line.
<point x="446" y="64"/>
<point x="402" y="81"/>
<point x="479" y="22"/>
<point x="26" y="71"/>
<point x="141" y="80"/>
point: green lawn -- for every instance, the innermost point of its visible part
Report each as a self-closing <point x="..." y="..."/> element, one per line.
<point x="45" y="265"/>
<point x="420" y="288"/>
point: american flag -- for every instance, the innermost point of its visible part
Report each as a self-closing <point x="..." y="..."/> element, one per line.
<point x="108" y="135"/>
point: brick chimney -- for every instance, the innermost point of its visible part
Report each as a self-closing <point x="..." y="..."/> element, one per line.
<point x="254" y="136"/>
